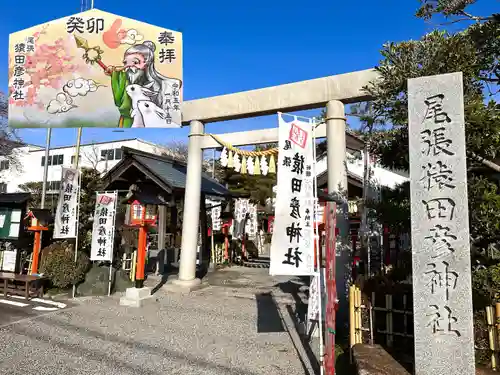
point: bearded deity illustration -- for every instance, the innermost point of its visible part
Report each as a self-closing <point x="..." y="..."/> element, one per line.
<point x="144" y="97"/>
<point x="138" y="81"/>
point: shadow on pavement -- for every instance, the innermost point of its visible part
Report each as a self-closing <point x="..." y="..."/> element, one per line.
<point x="268" y="317"/>
<point x="296" y="314"/>
<point x="306" y="345"/>
<point x="292" y="288"/>
<point x="299" y="315"/>
<point x="125" y="342"/>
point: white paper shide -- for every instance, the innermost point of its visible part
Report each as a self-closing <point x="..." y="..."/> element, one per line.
<point x="104" y="227"/>
<point x="65" y="224"/>
<point x="292" y="247"/>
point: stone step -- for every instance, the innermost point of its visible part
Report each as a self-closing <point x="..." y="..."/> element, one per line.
<point x="251" y="264"/>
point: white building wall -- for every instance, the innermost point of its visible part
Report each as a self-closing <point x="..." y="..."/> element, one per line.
<point x="31" y="168"/>
<point x="381" y="177"/>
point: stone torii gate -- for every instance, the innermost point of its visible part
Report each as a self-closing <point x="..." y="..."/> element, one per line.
<point x="333" y="91"/>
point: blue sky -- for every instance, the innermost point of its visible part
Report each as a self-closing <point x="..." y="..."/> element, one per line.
<point x="235" y="46"/>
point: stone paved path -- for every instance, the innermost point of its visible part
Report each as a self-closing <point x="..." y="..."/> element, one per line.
<point x="212" y="331"/>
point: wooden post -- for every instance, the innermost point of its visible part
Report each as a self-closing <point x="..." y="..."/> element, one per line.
<point x="373" y="316"/>
<point x="204" y="249"/>
<point x="497" y="310"/>
<point x="370" y="319"/>
<point x="141" y="251"/>
<point x="133" y="266"/>
<point x="352" y="317"/>
<point x="36" y="251"/>
<point x="352" y="320"/>
<point x="492" y="336"/>
<point x="405" y="316"/>
<point x="37" y="245"/>
<point x="243" y="248"/>
<point x="225" y="229"/>
<point x="359" y="325"/>
<point x="388" y="319"/>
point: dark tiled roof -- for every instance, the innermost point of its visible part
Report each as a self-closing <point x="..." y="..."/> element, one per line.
<point x="16" y="198"/>
<point x="170" y="171"/>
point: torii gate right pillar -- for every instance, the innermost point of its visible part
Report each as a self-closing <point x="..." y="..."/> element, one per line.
<point x="337" y="182"/>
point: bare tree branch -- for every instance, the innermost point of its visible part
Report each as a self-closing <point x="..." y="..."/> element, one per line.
<point x="92" y="156"/>
<point x="9" y="142"/>
<point x="175" y="149"/>
<point x="486" y="162"/>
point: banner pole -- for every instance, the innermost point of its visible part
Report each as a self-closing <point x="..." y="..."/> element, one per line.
<point x="112" y="244"/>
<point x="318" y="249"/>
<point x="46" y="167"/>
<point x="76" y="162"/>
<point x="37" y="251"/>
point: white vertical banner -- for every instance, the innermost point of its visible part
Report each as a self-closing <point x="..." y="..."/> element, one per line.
<point x="66" y="220"/>
<point x="292" y="247"/>
<point x="241" y="207"/>
<point x="315" y="301"/>
<point x="103" y="230"/>
<point x="216" y="220"/>
<point x="251" y="224"/>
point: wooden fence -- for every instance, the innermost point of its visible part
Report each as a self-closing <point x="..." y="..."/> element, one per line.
<point x="493" y="323"/>
<point x="377" y="317"/>
<point x="381" y="318"/>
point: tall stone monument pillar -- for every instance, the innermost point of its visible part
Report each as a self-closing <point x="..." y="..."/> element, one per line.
<point x="442" y="292"/>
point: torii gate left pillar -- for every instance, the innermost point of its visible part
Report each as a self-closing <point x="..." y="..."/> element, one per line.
<point x="191" y="216"/>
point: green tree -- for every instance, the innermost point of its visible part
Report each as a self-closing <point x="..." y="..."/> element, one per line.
<point x="257" y="187"/>
<point x="474" y="50"/>
<point x="35" y="188"/>
<point x="90" y="184"/>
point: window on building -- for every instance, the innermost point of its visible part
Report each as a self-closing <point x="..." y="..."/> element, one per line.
<point x="15" y="223"/>
<point x="3" y="187"/>
<point x="54" y="160"/>
<point x="108" y="154"/>
<point x="4" y="164"/>
<point x="112" y="154"/>
<point x="118" y="154"/>
<point x="58" y="159"/>
<point x="73" y="159"/>
<point x="53" y="185"/>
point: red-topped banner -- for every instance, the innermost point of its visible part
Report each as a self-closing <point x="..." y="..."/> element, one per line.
<point x="331" y="287"/>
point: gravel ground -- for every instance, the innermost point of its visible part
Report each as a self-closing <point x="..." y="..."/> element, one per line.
<point x="212" y="331"/>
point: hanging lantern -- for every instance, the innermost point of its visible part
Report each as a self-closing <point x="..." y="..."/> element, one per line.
<point x="140" y="213"/>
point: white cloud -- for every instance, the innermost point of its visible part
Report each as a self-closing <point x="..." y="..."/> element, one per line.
<point x="80" y="87"/>
<point x="132" y="37"/>
<point x="62" y="103"/>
